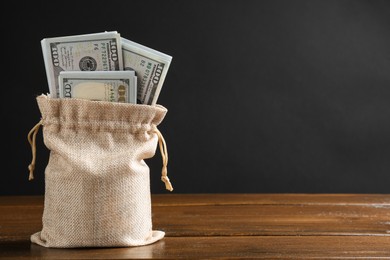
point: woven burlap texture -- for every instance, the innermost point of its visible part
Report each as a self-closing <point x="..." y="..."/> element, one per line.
<point x="97" y="186"/>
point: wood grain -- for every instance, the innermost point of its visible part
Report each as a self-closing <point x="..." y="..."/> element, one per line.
<point x="228" y="226"/>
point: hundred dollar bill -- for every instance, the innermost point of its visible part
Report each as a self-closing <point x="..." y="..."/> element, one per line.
<point x="114" y="86"/>
<point x="151" y="68"/>
<point x="85" y="52"/>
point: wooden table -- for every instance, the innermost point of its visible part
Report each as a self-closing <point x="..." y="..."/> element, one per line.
<point x="228" y="226"/>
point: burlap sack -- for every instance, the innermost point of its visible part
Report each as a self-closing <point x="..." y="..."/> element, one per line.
<point x="97" y="189"/>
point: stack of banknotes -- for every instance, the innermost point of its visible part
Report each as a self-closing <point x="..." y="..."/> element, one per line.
<point x="104" y="66"/>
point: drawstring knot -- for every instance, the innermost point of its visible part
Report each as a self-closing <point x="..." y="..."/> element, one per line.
<point x="164" y="155"/>
<point x="31" y="137"/>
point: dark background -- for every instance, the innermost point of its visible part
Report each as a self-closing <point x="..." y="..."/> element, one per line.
<point x="262" y="96"/>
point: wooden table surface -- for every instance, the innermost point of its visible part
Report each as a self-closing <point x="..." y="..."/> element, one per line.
<point x="228" y="226"/>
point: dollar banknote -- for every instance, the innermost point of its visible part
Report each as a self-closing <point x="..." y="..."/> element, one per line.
<point x="86" y="52"/>
<point x="114" y="86"/>
<point x="151" y="68"/>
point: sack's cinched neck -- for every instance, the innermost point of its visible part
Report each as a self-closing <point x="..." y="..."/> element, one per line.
<point x="32" y="135"/>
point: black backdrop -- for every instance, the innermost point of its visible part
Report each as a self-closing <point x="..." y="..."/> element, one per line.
<point x="262" y="96"/>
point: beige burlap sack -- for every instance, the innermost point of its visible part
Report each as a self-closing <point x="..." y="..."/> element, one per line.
<point x="97" y="188"/>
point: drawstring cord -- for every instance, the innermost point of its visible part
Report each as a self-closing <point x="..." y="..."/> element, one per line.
<point x="32" y="135"/>
<point x="164" y="155"/>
